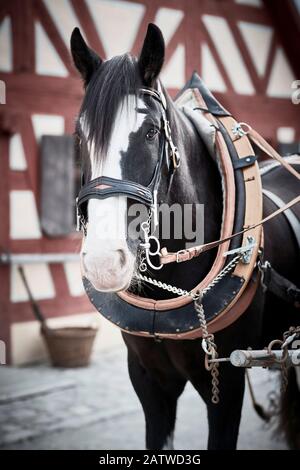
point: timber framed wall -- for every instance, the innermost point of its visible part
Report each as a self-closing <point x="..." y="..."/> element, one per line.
<point x="235" y="45"/>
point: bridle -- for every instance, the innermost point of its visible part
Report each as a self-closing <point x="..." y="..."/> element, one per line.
<point x="104" y="187"/>
<point x="230" y="285"/>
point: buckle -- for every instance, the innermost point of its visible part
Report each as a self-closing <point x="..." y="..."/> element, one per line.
<point x="180" y="252"/>
<point x="240" y="129"/>
<point x="175" y="158"/>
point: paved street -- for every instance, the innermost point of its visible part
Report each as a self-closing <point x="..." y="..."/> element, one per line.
<point x="96" y="408"/>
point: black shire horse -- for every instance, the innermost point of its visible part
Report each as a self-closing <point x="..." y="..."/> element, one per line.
<point x="119" y="133"/>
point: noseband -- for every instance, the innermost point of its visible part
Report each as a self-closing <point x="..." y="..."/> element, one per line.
<point x="104" y="186"/>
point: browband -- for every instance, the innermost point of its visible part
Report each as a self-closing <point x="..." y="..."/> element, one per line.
<point x="104" y="187"/>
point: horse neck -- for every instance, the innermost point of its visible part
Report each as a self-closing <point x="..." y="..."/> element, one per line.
<point x="197" y="181"/>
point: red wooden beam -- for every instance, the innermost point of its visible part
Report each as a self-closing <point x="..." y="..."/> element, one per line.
<point x="286" y="20"/>
<point x="41" y="13"/>
<point x="149" y="15"/>
<point x="4" y="238"/>
<point x="63" y="305"/>
<point x="23" y="36"/>
<point x="69" y="244"/>
<point x="216" y="57"/>
<point x="193" y="37"/>
<point x="84" y="16"/>
<point x="255" y="79"/>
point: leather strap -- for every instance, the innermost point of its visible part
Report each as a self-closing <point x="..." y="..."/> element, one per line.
<point x="104" y="187"/>
<point x="266" y="148"/>
<point x="244" y="162"/>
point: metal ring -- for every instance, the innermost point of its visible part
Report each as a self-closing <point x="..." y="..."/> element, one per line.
<point x="145" y="225"/>
<point x="285" y="351"/>
<point x="157" y="251"/>
<point x="180" y="252"/>
<point x="244" y="124"/>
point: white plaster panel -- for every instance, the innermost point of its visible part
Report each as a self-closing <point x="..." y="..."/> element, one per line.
<point x="24" y="220"/>
<point x="47" y="60"/>
<point x="229" y="53"/>
<point x="17" y="159"/>
<point x="117" y="23"/>
<point x="281" y="77"/>
<point x="6" y="54"/>
<point x="258" y="40"/>
<point x="210" y="72"/>
<point x="168" y="20"/>
<point x="39" y="280"/>
<point x="251" y="3"/>
<point x="74" y="279"/>
<point x="173" y="73"/>
<point x="286" y="135"/>
<point x="47" y="124"/>
<point x="64" y="18"/>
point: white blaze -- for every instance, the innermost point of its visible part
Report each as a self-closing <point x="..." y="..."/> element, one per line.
<point x="106" y="231"/>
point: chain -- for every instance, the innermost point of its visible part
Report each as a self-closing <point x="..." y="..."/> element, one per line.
<point x="208" y="342"/>
<point x="291" y="334"/>
<point x="210" y="349"/>
<point x="288" y="337"/>
<point x="284" y="376"/>
<point x="167" y="287"/>
<point x="145" y="247"/>
<point x="183" y="292"/>
<point x="142" y="251"/>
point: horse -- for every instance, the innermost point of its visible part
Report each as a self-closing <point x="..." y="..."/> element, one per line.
<point x="119" y="136"/>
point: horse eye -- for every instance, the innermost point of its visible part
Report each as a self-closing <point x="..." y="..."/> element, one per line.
<point x="151" y="134"/>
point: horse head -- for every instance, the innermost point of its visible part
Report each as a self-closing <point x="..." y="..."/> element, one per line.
<point x="121" y="135"/>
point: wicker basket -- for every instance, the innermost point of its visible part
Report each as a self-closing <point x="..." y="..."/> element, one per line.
<point x="70" y="346"/>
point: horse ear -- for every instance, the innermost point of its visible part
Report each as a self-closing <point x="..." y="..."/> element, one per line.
<point x="86" y="61"/>
<point x="152" y="56"/>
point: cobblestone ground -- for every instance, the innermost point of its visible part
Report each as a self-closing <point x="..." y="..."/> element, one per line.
<point x="96" y="408"/>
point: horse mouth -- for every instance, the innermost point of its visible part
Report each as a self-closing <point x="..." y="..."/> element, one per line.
<point x="109" y="283"/>
<point x="110" y="289"/>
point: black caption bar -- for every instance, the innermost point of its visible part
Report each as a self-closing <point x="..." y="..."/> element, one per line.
<point x="133" y="459"/>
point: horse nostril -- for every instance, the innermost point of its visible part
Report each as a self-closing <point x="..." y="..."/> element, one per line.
<point x="122" y="257"/>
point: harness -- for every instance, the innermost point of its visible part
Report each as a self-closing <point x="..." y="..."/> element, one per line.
<point x="229" y="287"/>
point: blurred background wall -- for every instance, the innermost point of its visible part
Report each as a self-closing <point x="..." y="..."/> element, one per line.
<point x="245" y="50"/>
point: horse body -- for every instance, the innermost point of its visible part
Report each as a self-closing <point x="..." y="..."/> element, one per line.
<point x="159" y="370"/>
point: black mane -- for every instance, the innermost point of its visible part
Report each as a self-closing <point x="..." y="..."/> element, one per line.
<point x="111" y="83"/>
